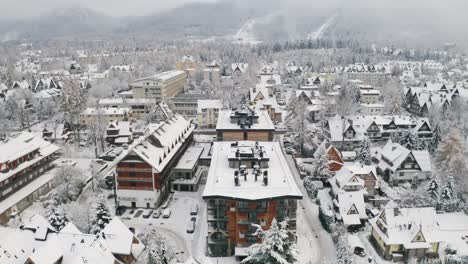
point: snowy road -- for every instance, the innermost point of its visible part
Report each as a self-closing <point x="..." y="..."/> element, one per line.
<point x="321" y="247"/>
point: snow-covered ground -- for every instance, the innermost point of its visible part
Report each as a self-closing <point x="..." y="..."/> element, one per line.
<point x="322" y="29"/>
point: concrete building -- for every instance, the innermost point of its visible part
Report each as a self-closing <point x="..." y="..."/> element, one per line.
<point x="248" y="182"/>
<point x="188" y="64"/>
<point x="185" y="104"/>
<point x="23" y="161"/>
<point x="207" y="113"/>
<point x="159" y="86"/>
<point x="244" y="123"/>
<point x="139" y="107"/>
<point x="186" y="175"/>
<point x="104" y="115"/>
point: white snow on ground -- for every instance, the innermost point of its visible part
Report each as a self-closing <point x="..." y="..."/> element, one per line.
<point x="246" y="35"/>
<point x="322" y="29"/>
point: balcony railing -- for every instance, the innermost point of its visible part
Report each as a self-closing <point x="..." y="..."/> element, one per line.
<point x="120" y="169"/>
<point x="135" y="179"/>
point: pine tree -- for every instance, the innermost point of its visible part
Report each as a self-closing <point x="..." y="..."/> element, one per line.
<point x="322" y="169"/>
<point x="57" y="218"/>
<point x="101" y="215"/>
<point x="411" y="141"/>
<point x="434" y="144"/>
<point x="156" y="248"/>
<point x="433" y="189"/>
<point x="275" y="248"/>
<point x="363" y="153"/>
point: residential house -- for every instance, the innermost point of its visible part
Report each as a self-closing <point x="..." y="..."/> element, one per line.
<point x="350" y="131"/>
<point x="403" y="234"/>
<point x="37" y="242"/>
<point x="119" y="133"/>
<point x="398" y="164"/>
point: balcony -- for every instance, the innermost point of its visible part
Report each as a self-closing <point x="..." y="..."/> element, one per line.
<point x="120" y="169"/>
<point x="135" y="179"/>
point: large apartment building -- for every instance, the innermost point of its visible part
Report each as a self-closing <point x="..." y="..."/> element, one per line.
<point x="143" y="171"/>
<point x="23" y="161"/>
<point x="244" y="123"/>
<point x="248" y="182"/>
<point x="159" y="86"/>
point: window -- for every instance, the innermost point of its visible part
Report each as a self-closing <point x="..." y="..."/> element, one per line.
<point x="242" y="204"/>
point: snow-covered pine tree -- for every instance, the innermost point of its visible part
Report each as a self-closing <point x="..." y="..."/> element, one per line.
<point x="449" y="200"/>
<point x="433" y="189"/>
<point x="157" y="251"/>
<point x="322" y="169"/>
<point x="276" y="246"/>
<point x="101" y="215"/>
<point x="436" y="139"/>
<point x="411" y="141"/>
<point x="57" y="218"/>
<point x="364" y="152"/>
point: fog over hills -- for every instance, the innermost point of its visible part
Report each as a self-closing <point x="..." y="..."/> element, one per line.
<point x="416" y="22"/>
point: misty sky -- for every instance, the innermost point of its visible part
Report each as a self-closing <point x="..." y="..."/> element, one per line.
<point x="30" y="8"/>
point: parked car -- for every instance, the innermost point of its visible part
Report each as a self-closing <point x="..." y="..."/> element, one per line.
<point x="166" y="213"/>
<point x="157" y="213"/>
<point x="290" y="151"/>
<point x="147" y="213"/>
<point x="190" y="227"/>
<point x="194" y="209"/>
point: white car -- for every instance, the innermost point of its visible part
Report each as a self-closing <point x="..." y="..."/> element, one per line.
<point x="166" y="213"/>
<point x="194" y="209"/>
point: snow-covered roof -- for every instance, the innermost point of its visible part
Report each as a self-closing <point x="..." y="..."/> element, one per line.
<point x="361" y="124"/>
<point x="209" y="104"/>
<point x="69" y="245"/>
<point x="189" y="159"/>
<point x="220" y="182"/>
<point x="163" y="76"/>
<point x="392" y="155"/>
<point x="352" y="207"/>
<point x="263" y="120"/>
<point x="21" y="145"/>
<point x="402" y="225"/>
<point x="160" y="142"/>
<point x="106" y="111"/>
<point x="118" y="237"/>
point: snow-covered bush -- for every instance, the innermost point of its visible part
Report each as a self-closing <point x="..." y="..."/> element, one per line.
<point x="311" y="188"/>
<point x="326" y="216"/>
<point x="70" y="183"/>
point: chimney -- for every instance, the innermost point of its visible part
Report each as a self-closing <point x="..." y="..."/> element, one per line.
<point x="256" y="175"/>
<point x="396" y="211"/>
<point x="265" y="177"/>
<point x="236" y="178"/>
<point x="237" y="153"/>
